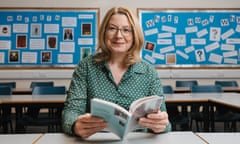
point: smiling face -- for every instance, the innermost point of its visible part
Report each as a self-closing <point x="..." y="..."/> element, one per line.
<point x="119" y="36"/>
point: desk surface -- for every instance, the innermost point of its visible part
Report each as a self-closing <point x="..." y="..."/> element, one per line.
<point x="18" y="138"/>
<point x="23" y="99"/>
<point x="220" y="138"/>
<point x="228" y="99"/>
<point x="187" y="89"/>
<point x="132" y="138"/>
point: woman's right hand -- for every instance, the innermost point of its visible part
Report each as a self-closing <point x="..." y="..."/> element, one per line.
<point x="87" y="125"/>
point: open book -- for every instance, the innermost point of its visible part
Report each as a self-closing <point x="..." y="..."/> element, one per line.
<point x="120" y="121"/>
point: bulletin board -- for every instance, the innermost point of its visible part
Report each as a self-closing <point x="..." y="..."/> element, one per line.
<point x="191" y="37"/>
<point x="47" y="37"/>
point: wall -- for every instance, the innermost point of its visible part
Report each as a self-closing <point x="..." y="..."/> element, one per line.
<point x="62" y="77"/>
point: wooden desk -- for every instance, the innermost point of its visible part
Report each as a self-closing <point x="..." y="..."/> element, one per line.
<point x="220" y="138"/>
<point x="132" y="138"/>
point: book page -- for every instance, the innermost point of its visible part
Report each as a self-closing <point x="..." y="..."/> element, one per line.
<point x="142" y="107"/>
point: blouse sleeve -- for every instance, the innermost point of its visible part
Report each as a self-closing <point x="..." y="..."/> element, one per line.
<point x="156" y="89"/>
<point x="76" y="101"/>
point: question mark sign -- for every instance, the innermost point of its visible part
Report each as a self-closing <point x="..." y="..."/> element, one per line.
<point x="215" y="32"/>
<point x="199" y="54"/>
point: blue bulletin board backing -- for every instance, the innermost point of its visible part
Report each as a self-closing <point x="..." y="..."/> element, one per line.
<point x="191" y="37"/>
<point x="47" y="37"/>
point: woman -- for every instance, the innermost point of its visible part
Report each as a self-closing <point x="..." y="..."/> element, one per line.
<point x="115" y="73"/>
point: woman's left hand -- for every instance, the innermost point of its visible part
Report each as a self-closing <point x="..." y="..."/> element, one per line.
<point x="157" y="122"/>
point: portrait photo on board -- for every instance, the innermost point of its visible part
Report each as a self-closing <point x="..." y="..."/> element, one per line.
<point x="46" y="57"/>
<point x="68" y="34"/>
<point x="13" y="56"/>
<point x="52" y="42"/>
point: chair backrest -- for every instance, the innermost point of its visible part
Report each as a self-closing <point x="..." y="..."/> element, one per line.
<point x="49" y="83"/>
<point x="5" y="90"/>
<point x="48" y="90"/>
<point x="167" y="89"/>
<point x="206" y="89"/>
<point x="10" y="84"/>
<point x="185" y="83"/>
<point x="232" y="83"/>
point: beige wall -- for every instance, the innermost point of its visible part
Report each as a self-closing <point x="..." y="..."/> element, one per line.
<point x="62" y="77"/>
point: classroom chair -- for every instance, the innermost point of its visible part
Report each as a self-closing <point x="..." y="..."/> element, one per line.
<point x="5" y="111"/>
<point x="34" y="116"/>
<point x="37" y="83"/>
<point x="197" y="110"/>
<point x="10" y="84"/>
<point x="34" y="84"/>
<point x="231" y="83"/>
<point x="186" y="83"/>
<point x="176" y="117"/>
<point x="221" y="114"/>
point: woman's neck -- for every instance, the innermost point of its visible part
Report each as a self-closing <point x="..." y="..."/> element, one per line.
<point x="117" y="68"/>
<point x="117" y="60"/>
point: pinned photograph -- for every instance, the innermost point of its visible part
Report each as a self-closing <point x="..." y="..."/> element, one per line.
<point x="52" y="42"/>
<point x="171" y="59"/>
<point x="149" y="46"/>
<point x="86" y="51"/>
<point x="36" y="30"/>
<point x="46" y="56"/>
<point x="14" y="56"/>
<point x="68" y="34"/>
<point x="86" y="29"/>
<point x="21" y="41"/>
<point x="5" y="30"/>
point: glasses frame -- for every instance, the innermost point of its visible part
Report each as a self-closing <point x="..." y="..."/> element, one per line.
<point x="125" y="31"/>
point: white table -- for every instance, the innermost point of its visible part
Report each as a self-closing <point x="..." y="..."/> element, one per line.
<point x="132" y="138"/>
<point x="220" y="138"/>
<point x="19" y="138"/>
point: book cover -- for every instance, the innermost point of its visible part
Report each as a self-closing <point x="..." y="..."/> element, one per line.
<point x="120" y="121"/>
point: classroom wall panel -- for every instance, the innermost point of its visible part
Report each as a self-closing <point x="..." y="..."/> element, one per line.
<point x="168" y="75"/>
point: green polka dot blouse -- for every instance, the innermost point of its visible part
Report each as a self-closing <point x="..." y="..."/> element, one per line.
<point x="94" y="80"/>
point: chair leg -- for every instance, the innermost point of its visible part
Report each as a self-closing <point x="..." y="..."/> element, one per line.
<point x="197" y="126"/>
<point x="234" y="126"/>
<point x="11" y="126"/>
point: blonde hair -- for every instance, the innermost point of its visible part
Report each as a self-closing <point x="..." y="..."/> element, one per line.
<point x="133" y="55"/>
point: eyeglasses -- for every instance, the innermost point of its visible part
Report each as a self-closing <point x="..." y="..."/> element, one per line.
<point x="124" y="31"/>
